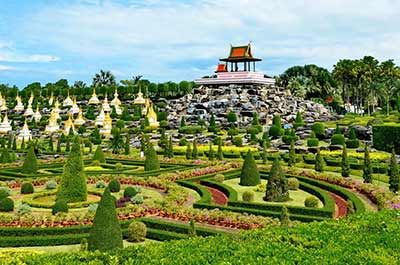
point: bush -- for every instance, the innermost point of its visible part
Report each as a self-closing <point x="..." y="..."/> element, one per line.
<point x="4" y="192"/>
<point x="60" y="206"/>
<point x="261" y="188"/>
<point x="248" y="196"/>
<point x="151" y="161"/>
<point x="23" y="209"/>
<point x="293" y="183"/>
<point x="51" y="185"/>
<point x="99" y="155"/>
<point x="130" y="192"/>
<point x="311" y="201"/>
<point x="337" y="139"/>
<point x="275" y="131"/>
<point x="136" y="231"/>
<point x="118" y="166"/>
<point x="319" y="130"/>
<point x="30" y="162"/>
<point x="219" y="178"/>
<point x="6" y="205"/>
<point x="183" y="141"/>
<point x="137" y="199"/>
<point x="191" y="129"/>
<point x="299" y="120"/>
<point x="385" y="137"/>
<point x="27" y="188"/>
<point x="312" y="142"/>
<point x="114" y="185"/>
<point x="249" y="175"/>
<point x="100" y="184"/>
<point x="92" y="208"/>
<point x="277" y="186"/>
<point x="237" y="141"/>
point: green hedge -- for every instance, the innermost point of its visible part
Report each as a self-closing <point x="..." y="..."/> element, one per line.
<point x="205" y="195"/>
<point x="386" y="136"/>
<point x="228" y="191"/>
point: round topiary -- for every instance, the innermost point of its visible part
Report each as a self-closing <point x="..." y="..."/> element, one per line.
<point x="293" y="183"/>
<point x="129" y="192"/>
<point x="248" y="196"/>
<point x="51" y="185"/>
<point x="337" y="139"/>
<point x="355" y="143"/>
<point x="27" y="188"/>
<point x="114" y="186"/>
<point x="100" y="184"/>
<point x="311" y="202"/>
<point x="118" y="166"/>
<point x="60" y="206"/>
<point x="6" y="205"/>
<point x="4" y="193"/>
<point x="219" y="178"/>
<point x="136" y="231"/>
<point x="312" y="142"/>
<point x="319" y="129"/>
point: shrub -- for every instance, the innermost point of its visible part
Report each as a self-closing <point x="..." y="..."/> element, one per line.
<point x="30" y="162"/>
<point x="23" y="209"/>
<point x="100" y="184"/>
<point x="319" y="162"/>
<point x="136" y="231"/>
<point x="84" y="243"/>
<point x="319" y="130"/>
<point x="60" y="206"/>
<point x="51" y="185"/>
<point x="284" y="218"/>
<point x="248" y="196"/>
<point x="92" y="208"/>
<point x="367" y="169"/>
<point x="277" y="186"/>
<point x="311" y="201"/>
<point x="237" y="141"/>
<point x="114" y="185"/>
<point x="345" y="163"/>
<point x="219" y="178"/>
<point x="394" y="177"/>
<point x="385" y="137"/>
<point x="151" y="161"/>
<point x="4" y="192"/>
<point x="27" y="188"/>
<point x="261" y="188"/>
<point x="129" y="192"/>
<point x="137" y="199"/>
<point x="118" y="166"/>
<point x="293" y="183"/>
<point x="353" y="143"/>
<point x="6" y="205"/>
<point x="190" y="129"/>
<point x="183" y="141"/>
<point x="249" y="175"/>
<point x="105" y="233"/>
<point x="99" y="155"/>
<point x="312" y="142"/>
<point x="275" y="131"/>
<point x="299" y="120"/>
<point x="337" y="139"/>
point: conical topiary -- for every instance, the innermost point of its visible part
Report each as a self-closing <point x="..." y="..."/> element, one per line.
<point x="105" y="233"/>
<point x="99" y="154"/>
<point x="151" y="161"/>
<point x="367" y="170"/>
<point x="394" y="177"/>
<point x="30" y="162"/>
<point x="249" y="175"/>
<point x="73" y="180"/>
<point x="319" y="162"/>
<point x="345" y="163"/>
<point x="277" y="186"/>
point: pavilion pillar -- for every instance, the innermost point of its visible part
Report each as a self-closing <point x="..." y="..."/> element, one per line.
<point x="245" y="66"/>
<point x="254" y="66"/>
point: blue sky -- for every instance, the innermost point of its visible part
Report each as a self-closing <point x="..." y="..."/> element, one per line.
<point x="45" y="40"/>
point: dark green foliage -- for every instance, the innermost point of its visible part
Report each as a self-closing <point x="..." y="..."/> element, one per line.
<point x="68" y="146"/>
<point x="51" y="144"/>
<point x="106" y="232"/>
<point x="337" y="130"/>
<point x="350" y="207"/>
<point x="249" y="175"/>
<point x="319" y="162"/>
<point x="277" y="186"/>
<point x="289" y="136"/>
<point x="292" y="155"/>
<point x="114" y="185"/>
<point x="352" y="134"/>
<point x="117" y="144"/>
<point x="276" y="120"/>
<point x="6" y="156"/>
<point x="6" y="205"/>
<point x="137" y="231"/>
<point x="125" y="116"/>
<point x="14" y="145"/>
<point x="3" y="194"/>
<point x="394" y="177"/>
<point x="59" y="206"/>
<point x="233" y="131"/>
<point x="311" y="201"/>
<point x="353" y="143"/>
<point x="190" y="129"/>
<point x="213" y="127"/>
<point x="95" y="136"/>
<point x="183" y="141"/>
<point x="237" y="141"/>
<point x="90" y="113"/>
<point x="188" y="151"/>
<point x="195" y="152"/>
<point x="299" y="120"/>
<point x="319" y="130"/>
<point x="22" y="144"/>
<point x="113" y="113"/>
<point x="275" y="131"/>
<point x="58" y="150"/>
<point x="284" y="219"/>
<point x="345" y="163"/>
<point x="130" y="192"/>
<point x="99" y="155"/>
<point x="120" y="124"/>
<point x="211" y="154"/>
<point x="337" y="139"/>
<point x="220" y="155"/>
<point x="27" y="188"/>
<point x="163" y="141"/>
<point x="385" y="137"/>
<point x="183" y="122"/>
<point x="312" y="141"/>
<point x="367" y="169"/>
<point x="169" y="151"/>
<point x="30" y="162"/>
<point x="231" y="117"/>
<point x="73" y="180"/>
<point x="151" y="161"/>
<point x="256" y="120"/>
<point x="192" y="228"/>
<point x="127" y="148"/>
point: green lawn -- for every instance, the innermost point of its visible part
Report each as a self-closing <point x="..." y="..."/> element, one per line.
<point x="297" y="196"/>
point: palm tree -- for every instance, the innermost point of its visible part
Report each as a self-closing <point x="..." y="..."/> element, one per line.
<point x="104" y="78"/>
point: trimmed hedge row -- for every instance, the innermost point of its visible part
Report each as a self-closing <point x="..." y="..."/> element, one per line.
<point x="228" y="191"/>
<point x="205" y="195"/>
<point x="386" y="136"/>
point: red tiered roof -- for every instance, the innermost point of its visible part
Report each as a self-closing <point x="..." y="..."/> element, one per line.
<point x="240" y="54"/>
<point x="221" y="68"/>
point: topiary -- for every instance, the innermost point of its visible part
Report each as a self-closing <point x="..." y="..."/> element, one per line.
<point x="249" y="175"/>
<point x="353" y="143"/>
<point x="293" y="183"/>
<point x="136" y="231"/>
<point x="277" y="185"/>
<point x="100" y="184"/>
<point x="51" y="185"/>
<point x="311" y="201"/>
<point x="99" y="155"/>
<point x="129" y="192"/>
<point x="275" y="131"/>
<point x="114" y="185"/>
<point x="284" y="218"/>
<point x="319" y="129"/>
<point x="151" y="161"/>
<point x="30" y="162"/>
<point x="248" y="196"/>
<point x="4" y="192"/>
<point x="6" y="205"/>
<point x="219" y="178"/>
<point x="237" y="141"/>
<point x="60" y="206"/>
<point x="27" y="188"/>
<point x="105" y="233"/>
<point x="345" y="165"/>
<point x="299" y="120"/>
<point x="319" y="162"/>
<point x="337" y="139"/>
<point x="367" y="169"/>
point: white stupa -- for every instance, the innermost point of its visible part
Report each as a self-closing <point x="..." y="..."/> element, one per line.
<point x="106" y="106"/>
<point x="1" y="100"/>
<point x="75" y="108"/>
<point x="19" y="107"/>
<point x="100" y="118"/>
<point x="118" y="109"/>
<point x="29" y="110"/>
<point x="4" y="105"/>
<point x="5" y="126"/>
<point x="80" y="120"/>
<point x="115" y="101"/>
<point x="37" y="116"/>
<point x="51" y="99"/>
<point x="25" y="133"/>
<point x="94" y="100"/>
<point x="52" y="126"/>
<point x="68" y="101"/>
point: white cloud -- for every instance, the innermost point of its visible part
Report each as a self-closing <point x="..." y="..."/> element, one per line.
<point x="34" y="58"/>
<point x="6" y="67"/>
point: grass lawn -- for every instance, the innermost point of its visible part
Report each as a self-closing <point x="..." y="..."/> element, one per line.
<point x="297" y="196"/>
